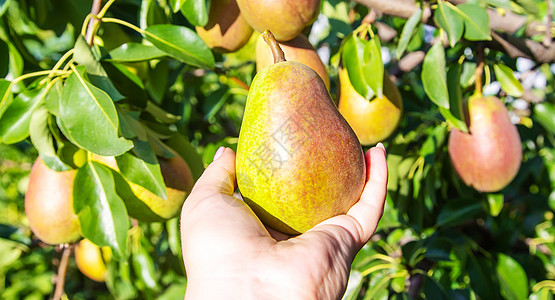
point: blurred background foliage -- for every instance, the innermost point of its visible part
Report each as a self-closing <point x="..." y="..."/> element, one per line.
<point x="438" y="238"/>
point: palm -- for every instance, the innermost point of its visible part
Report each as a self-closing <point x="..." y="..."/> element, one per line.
<point x="224" y="242"/>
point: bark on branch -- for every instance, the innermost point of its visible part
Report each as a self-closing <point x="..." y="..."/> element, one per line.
<point x="506" y="24"/>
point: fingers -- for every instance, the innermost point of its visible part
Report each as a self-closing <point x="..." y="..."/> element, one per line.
<point x="369" y="209"/>
<point x="219" y="176"/>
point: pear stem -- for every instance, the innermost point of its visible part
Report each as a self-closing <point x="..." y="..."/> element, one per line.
<point x="278" y="54"/>
<point x="479" y="70"/>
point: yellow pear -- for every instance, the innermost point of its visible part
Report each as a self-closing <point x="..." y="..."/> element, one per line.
<point x="375" y="120"/>
<point x="91" y="260"/>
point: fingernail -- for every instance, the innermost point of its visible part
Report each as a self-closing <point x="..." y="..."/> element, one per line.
<point x="380" y="145"/>
<point x="219" y="153"/>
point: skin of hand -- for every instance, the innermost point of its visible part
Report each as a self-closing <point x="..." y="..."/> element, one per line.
<point x="229" y="254"/>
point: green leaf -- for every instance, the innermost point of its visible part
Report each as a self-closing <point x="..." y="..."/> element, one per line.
<point x="97" y="76"/>
<point x="454" y="115"/>
<point x="128" y="83"/>
<point x="374" y="78"/>
<point x="458" y="211"/>
<point x="14" y="124"/>
<point x="157" y="81"/>
<point x="181" y="43"/>
<point x="507" y="79"/>
<point x="177" y="4"/>
<point x="144" y="171"/>
<point x="101" y="211"/>
<point x="89" y="119"/>
<point x="495" y="204"/>
<point x="5" y="95"/>
<point x="481" y="278"/>
<point x="543" y="113"/>
<point x="130" y="125"/>
<point x="450" y="21"/>
<point x="189" y="153"/>
<point x="407" y="32"/>
<point x="355" y="61"/>
<point x="52" y="98"/>
<point x="134" y="52"/>
<point x="144" y="267"/>
<point x="196" y="12"/>
<point x="4" y="59"/>
<point x="513" y="279"/>
<point x="42" y="140"/>
<point x="434" y="76"/>
<point x="476" y="21"/>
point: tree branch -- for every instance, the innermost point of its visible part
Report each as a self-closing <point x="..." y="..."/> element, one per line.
<point x="95" y="9"/>
<point x="62" y="269"/>
<point x="509" y="23"/>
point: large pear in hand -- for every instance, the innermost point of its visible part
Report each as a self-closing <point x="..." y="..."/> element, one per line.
<point x="487" y="158"/>
<point x="284" y="18"/>
<point x="298" y="161"/>
<point x="375" y="120"/>
<point x="49" y="205"/>
<point x="298" y="49"/>
<point x="226" y="30"/>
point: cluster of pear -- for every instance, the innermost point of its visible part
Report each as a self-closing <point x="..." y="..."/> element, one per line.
<point x="299" y="161"/>
<point x="51" y="217"/>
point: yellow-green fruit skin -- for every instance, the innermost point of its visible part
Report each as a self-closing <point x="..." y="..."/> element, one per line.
<point x="298" y="49"/>
<point x="226" y="30"/>
<point x="49" y="205"/>
<point x="298" y="161"/>
<point x="489" y="156"/>
<point x="284" y="18"/>
<point x="375" y="120"/>
<point x="147" y="206"/>
<point x="90" y="261"/>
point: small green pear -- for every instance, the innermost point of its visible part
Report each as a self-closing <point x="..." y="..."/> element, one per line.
<point x="226" y="30"/>
<point x="49" y="205"/>
<point x="489" y="156"/>
<point x="284" y="18"/>
<point x="372" y="120"/>
<point x="298" y="161"/>
<point x="298" y="49"/>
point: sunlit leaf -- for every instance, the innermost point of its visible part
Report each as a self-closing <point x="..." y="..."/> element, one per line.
<point x="14" y="124"/>
<point x="42" y="140"/>
<point x="133" y="52"/>
<point x="407" y="32"/>
<point x="181" y="43"/>
<point x="512" y="277"/>
<point x="450" y="21"/>
<point x="507" y="79"/>
<point x="144" y="172"/>
<point x="544" y="113"/>
<point x="89" y="119"/>
<point x="434" y="77"/>
<point x="476" y="21"/>
<point x="196" y="12"/>
<point x="101" y="211"/>
<point x="495" y="204"/>
<point x="5" y="95"/>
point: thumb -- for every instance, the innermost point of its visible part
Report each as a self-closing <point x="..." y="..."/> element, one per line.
<point x="219" y="176"/>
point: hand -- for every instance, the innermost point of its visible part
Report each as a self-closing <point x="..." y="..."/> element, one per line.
<point x="230" y="254"/>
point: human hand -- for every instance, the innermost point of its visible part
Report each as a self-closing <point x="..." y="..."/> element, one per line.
<point x="229" y="254"/>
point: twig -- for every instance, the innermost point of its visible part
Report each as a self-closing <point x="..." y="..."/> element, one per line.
<point x="479" y="70"/>
<point x="95" y="9"/>
<point x="62" y="269"/>
<point x="548" y="38"/>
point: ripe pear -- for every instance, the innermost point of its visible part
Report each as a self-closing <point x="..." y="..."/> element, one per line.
<point x="144" y="205"/>
<point x="375" y="120"/>
<point x="49" y="205"/>
<point x="298" y="161"/>
<point x="226" y="30"/>
<point x="489" y="156"/>
<point x="284" y="18"/>
<point x="91" y="260"/>
<point x="298" y="49"/>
